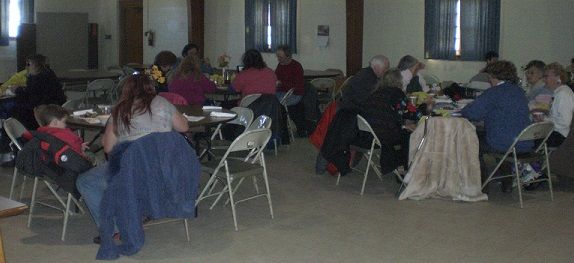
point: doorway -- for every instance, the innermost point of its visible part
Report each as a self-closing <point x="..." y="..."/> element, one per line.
<point x="131" y="31"/>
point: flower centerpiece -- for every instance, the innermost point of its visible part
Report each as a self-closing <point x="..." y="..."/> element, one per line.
<point x="158" y="77"/>
<point x="223" y="60"/>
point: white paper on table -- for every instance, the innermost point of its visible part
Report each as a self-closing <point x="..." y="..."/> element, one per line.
<point x="193" y="118"/>
<point x="83" y="112"/>
<point x="222" y="114"/>
<point x="212" y="108"/>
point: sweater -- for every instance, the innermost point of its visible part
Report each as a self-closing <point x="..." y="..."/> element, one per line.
<point x="291" y="77"/>
<point x="504" y="110"/>
<point x="191" y="89"/>
<point x="255" y="81"/>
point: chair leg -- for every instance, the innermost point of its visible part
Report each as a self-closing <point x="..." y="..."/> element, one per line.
<point x="266" y="179"/>
<point x="235" y="189"/>
<point x="32" y="201"/>
<point x="338" y="178"/>
<point x="186" y="230"/>
<point x="549" y="175"/>
<point x="14" y="175"/>
<point x="225" y="189"/>
<point x="517" y="173"/>
<point x="275" y="144"/>
<point x="232" y="202"/>
<point x="22" y="187"/>
<point x="255" y="185"/>
<point x="66" y="216"/>
<point x="367" y="171"/>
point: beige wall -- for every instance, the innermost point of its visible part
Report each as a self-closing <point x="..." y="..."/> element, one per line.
<point x="225" y="32"/>
<point x="530" y="29"/>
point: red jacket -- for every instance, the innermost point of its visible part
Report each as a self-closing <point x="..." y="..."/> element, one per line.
<point x="318" y="135"/>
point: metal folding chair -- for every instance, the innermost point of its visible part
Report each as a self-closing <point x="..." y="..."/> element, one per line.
<point x="216" y="141"/>
<point x="99" y="85"/>
<point x="247" y="100"/>
<point x="231" y="171"/>
<point x="536" y="131"/>
<point x="283" y="102"/>
<point x="367" y="153"/>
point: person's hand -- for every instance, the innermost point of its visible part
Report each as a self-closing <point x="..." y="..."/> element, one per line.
<point x="85" y="147"/>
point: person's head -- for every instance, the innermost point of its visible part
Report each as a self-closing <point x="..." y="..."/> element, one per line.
<point x="392" y="79"/>
<point x="51" y="115"/>
<point x="138" y="92"/>
<point x="253" y="59"/>
<point x="190" y="49"/>
<point x="491" y="57"/>
<point x="501" y="70"/>
<point x="165" y="60"/>
<point x="411" y="63"/>
<point x="283" y="54"/>
<point x="534" y="71"/>
<point x="189" y="65"/>
<point x="379" y="64"/>
<point x="554" y="75"/>
<point x="36" y="64"/>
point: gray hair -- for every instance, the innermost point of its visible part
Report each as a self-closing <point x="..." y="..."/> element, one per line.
<point x="407" y="62"/>
<point x="378" y="60"/>
<point x="392" y="79"/>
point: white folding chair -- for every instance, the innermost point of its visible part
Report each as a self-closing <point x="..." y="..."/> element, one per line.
<point x="15" y="129"/>
<point x="229" y="170"/>
<point x="367" y="153"/>
<point x="74" y="104"/>
<point x="244" y="118"/>
<point x="536" y="131"/>
<point x="283" y="102"/>
<point x="431" y="79"/>
<point x="247" y="100"/>
<point x="99" y="85"/>
<point x="424" y="119"/>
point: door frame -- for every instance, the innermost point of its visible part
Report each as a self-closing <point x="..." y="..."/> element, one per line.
<point x="121" y="5"/>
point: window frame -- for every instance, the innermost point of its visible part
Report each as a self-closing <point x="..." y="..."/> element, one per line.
<point x="267" y="11"/>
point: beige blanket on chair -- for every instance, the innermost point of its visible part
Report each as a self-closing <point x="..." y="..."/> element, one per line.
<point x="447" y="165"/>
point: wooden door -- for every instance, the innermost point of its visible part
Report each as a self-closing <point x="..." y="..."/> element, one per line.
<point x="131" y="31"/>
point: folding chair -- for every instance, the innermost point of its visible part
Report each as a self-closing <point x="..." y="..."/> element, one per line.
<point x="419" y="146"/>
<point x="99" y="85"/>
<point x="367" y="153"/>
<point x="248" y="100"/>
<point x="262" y="122"/>
<point x="229" y="170"/>
<point x="244" y="118"/>
<point x="283" y="102"/>
<point x="535" y="131"/>
<point x="15" y="129"/>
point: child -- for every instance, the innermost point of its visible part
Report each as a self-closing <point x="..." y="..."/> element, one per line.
<point x="52" y="120"/>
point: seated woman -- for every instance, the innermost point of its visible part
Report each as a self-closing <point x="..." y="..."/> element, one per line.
<point x="504" y="110"/>
<point x="164" y="61"/>
<point x="139" y="112"/>
<point x="410" y="68"/>
<point x="393" y="119"/>
<point x="538" y="95"/>
<point x="42" y="87"/>
<point x="256" y="77"/>
<point x="562" y="105"/>
<point x="193" y="49"/>
<point x="188" y="81"/>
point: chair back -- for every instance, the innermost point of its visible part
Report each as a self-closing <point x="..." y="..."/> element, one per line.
<point x="249" y="99"/>
<point x="431" y="79"/>
<point x="338" y="91"/>
<point x="253" y="141"/>
<point x="116" y="91"/>
<point x="536" y="131"/>
<point x="365" y="126"/>
<point x="244" y="116"/>
<point x="286" y="96"/>
<point x="323" y="84"/>
<point x="174" y="98"/>
<point x="75" y="104"/>
<point x="262" y="122"/>
<point x="100" y="85"/>
<point x="128" y="70"/>
<point x="14" y="129"/>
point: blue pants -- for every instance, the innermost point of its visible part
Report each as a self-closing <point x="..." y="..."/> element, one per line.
<point x="92" y="185"/>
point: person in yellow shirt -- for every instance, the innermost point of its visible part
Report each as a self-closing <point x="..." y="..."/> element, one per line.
<point x="16" y="80"/>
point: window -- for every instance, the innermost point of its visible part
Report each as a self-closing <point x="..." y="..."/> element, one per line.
<point x="14" y="12"/>
<point x="14" y="18"/>
<point x="461" y="29"/>
<point x="270" y="23"/>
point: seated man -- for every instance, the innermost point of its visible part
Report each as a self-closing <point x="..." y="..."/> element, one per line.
<point x="504" y="110"/>
<point x="364" y="83"/>
<point x="539" y="96"/>
<point x="289" y="74"/>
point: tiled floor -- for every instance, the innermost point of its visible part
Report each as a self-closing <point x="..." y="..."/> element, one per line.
<point x="316" y="221"/>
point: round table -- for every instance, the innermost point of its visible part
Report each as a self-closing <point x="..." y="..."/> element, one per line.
<point x="79" y="123"/>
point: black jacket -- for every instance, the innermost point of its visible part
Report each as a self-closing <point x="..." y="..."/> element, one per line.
<point x="359" y="88"/>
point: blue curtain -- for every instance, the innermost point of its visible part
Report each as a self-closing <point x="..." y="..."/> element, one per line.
<point x="479" y="23"/>
<point x="283" y="20"/>
<point x="480" y="28"/>
<point x="4" y="7"/>
<point x="283" y="24"/>
<point x="440" y="22"/>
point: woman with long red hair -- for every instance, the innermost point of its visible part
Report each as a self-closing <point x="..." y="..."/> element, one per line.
<point x="139" y="112"/>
